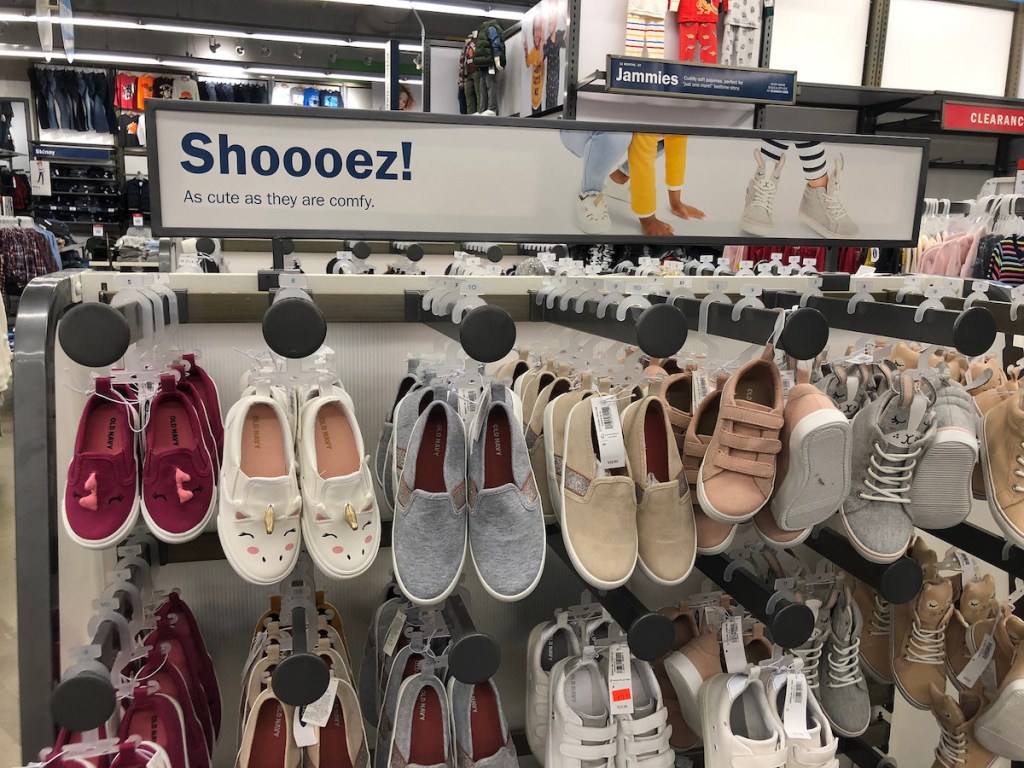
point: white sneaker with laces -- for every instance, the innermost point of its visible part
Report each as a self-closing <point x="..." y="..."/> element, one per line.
<point x="759" y="206"/>
<point x="592" y="214"/>
<point x="582" y="732"/>
<point x="740" y="726"/>
<point x="548" y="644"/>
<point x="823" y="211"/>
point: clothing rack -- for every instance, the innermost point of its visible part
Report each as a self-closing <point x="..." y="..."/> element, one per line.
<point x="897" y="582"/>
<point x="301" y="677"/>
<point x="487" y="333"/>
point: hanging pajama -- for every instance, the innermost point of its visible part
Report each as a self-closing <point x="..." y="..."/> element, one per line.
<point x="741" y="34"/>
<point x="645" y="28"/>
<point x="698" y="25"/>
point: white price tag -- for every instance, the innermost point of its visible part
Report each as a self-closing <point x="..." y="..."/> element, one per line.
<point x="700" y="389"/>
<point x="788" y="381"/>
<point x="620" y="680"/>
<point x="732" y="645"/>
<point x="469" y="403"/>
<point x="967" y="565"/>
<point x="319" y="712"/>
<point x="609" y="432"/>
<point x="978" y="664"/>
<point x="794" y="716"/>
<point x="97" y="229"/>
<point x="305" y="735"/>
<point x="394" y="633"/>
<point x="137" y="220"/>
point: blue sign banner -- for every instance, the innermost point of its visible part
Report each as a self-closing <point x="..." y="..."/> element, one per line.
<point x="58" y="152"/>
<point x="657" y="77"/>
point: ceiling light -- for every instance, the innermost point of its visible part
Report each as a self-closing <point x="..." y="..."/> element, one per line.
<point x="433" y="7"/>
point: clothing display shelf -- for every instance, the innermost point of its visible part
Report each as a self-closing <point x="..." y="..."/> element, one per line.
<point x="81" y="165"/>
<point x="70" y="309"/>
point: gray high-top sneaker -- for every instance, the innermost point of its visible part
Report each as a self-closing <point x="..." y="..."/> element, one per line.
<point x="823" y="211"/>
<point x="843" y="691"/>
<point x="759" y="206"/>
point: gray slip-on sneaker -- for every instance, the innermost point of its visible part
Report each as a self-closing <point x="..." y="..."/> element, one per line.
<point x="407" y="412"/>
<point x="423" y="732"/>
<point x="842" y="690"/>
<point x="506" y="521"/>
<point x="382" y="458"/>
<point x="430" y="531"/>
<point x="482" y="738"/>
<point x="406" y="664"/>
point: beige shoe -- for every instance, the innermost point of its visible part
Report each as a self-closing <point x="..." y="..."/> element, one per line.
<point x="713" y="537"/>
<point x="1008" y="632"/>
<point x="536" y="440"/>
<point x="268" y="733"/>
<point x="682" y="738"/>
<point x="598" y="507"/>
<point x="665" y="527"/>
<point x="986" y="397"/>
<point x="556" y="416"/>
<point x="676" y="392"/>
<point x="875" y="654"/>
<point x="688" y="668"/>
<point x="532" y="390"/>
<point x="509" y="372"/>
<point x="737" y="475"/>
<point x="919" y="641"/>
<point x="977" y="604"/>
<point x="342" y="741"/>
<point x="958" y="745"/>
<point x="1001" y="432"/>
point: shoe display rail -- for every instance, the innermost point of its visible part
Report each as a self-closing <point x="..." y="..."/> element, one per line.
<point x="302" y="677"/>
<point x="897" y="582"/>
<point x="989" y="547"/>
<point x="486" y="332"/>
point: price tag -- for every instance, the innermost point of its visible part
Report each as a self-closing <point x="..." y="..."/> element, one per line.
<point x="794" y="716"/>
<point x="978" y="664"/>
<point x="137" y="220"/>
<point x="469" y="403"/>
<point x="620" y="680"/>
<point x="97" y="229"/>
<point x="609" y="432"/>
<point x="700" y="389"/>
<point x="394" y="633"/>
<point x="319" y="712"/>
<point x="967" y="565"/>
<point x="732" y="645"/>
<point x="305" y="735"/>
<point x="788" y="381"/>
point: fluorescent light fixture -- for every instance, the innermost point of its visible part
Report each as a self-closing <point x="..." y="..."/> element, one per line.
<point x="432" y="7"/>
<point x="361" y="78"/>
<point x="284" y="72"/>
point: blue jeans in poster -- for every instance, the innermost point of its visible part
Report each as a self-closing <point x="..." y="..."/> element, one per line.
<point x="602" y="151"/>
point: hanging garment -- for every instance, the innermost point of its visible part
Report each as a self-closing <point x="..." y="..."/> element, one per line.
<point x="645" y="34"/>
<point x="1007" y="261"/>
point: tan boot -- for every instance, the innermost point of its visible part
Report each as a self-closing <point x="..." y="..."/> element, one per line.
<point x="958" y="746"/>
<point x="1001" y="432"/>
<point x="919" y="641"/>
<point x="1008" y="632"/>
<point x="875" y="655"/>
<point x="977" y="603"/>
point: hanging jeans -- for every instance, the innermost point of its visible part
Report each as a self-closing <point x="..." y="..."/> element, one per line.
<point x="601" y="152"/>
<point x="643" y="151"/>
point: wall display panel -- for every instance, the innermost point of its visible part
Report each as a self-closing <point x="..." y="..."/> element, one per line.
<point x="823" y="40"/>
<point x="936" y="46"/>
<point x="257" y="171"/>
<point x="444" y="79"/>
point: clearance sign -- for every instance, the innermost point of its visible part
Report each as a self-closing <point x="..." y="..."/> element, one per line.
<point x="983" y="118"/>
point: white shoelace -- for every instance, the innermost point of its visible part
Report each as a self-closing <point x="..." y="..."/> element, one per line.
<point x="835" y="207"/>
<point x="927" y="646"/>
<point x="811" y="656"/>
<point x="844" y="665"/>
<point x="952" y="749"/>
<point x="764" y="195"/>
<point x="890" y="483"/>
<point x="1019" y="473"/>
<point x="881" y="618"/>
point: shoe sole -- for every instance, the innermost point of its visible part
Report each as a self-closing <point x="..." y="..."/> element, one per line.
<point x="191" y="533"/>
<point x="690" y="682"/>
<point x="720" y="548"/>
<point x="537" y="740"/>
<point x="940" y="495"/>
<point x="117" y="536"/>
<point x="783" y="544"/>
<point x="1011" y="532"/>
<point x="754" y="228"/>
<point x="448" y="590"/>
<point x="869" y="554"/>
<point x="819" y="450"/>
<point x="997" y="725"/>
<point x="817" y="227"/>
<point x="720" y="517"/>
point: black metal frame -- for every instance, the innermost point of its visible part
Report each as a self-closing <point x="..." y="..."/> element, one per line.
<point x="486" y="333"/>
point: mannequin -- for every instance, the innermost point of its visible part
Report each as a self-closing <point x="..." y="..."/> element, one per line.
<point x="741" y="35"/>
<point x="645" y="28"/>
<point x="698" y="22"/>
<point x="489" y="59"/>
<point x="469" y="76"/>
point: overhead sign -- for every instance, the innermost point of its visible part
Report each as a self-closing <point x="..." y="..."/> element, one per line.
<point x="66" y="152"/>
<point x="260" y="171"/>
<point x="658" y="77"/>
<point x="982" y="118"/>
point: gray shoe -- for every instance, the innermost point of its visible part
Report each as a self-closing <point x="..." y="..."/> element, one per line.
<point x="407" y="412"/>
<point x="889" y="437"/>
<point x="823" y="211"/>
<point x="429" y="533"/>
<point x="846" y="387"/>
<point x="940" y="496"/>
<point x="423" y="701"/>
<point x="383" y="458"/>
<point x="759" y="206"/>
<point x="506" y="521"/>
<point x="373" y="656"/>
<point x="843" y="691"/>
<point x="477" y="708"/>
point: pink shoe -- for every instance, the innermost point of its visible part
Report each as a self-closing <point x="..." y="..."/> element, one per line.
<point x="206" y="388"/>
<point x="178" y="485"/>
<point x="173" y="683"/>
<point x="156" y="717"/>
<point x="101" y="500"/>
<point x="185" y="626"/>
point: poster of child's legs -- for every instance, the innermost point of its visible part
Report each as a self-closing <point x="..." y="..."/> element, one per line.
<point x="543" y="35"/>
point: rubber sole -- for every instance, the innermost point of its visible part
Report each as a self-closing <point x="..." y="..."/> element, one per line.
<point x="940" y="493"/>
<point x="686" y="682"/>
<point x="868" y="554"/>
<point x="998" y="728"/>
<point x="1011" y="532"/>
<point x="817" y="227"/>
<point x="818" y="478"/>
<point x="720" y="517"/>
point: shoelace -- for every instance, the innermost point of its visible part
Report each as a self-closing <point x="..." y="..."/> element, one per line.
<point x="1019" y="473"/>
<point x="835" y="207"/>
<point x="844" y="665"/>
<point x="810" y="654"/>
<point x="890" y="483"/>
<point x="952" y="749"/>
<point x="881" y="618"/>
<point x="764" y="195"/>
<point x="927" y="646"/>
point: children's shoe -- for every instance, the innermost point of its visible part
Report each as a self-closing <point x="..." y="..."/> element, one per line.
<point x="156" y="717"/>
<point x="962" y="739"/>
<point x="556" y="416"/>
<point x="773" y="534"/>
<point x="407" y="412"/>
<point x="206" y="388"/>
<point x="178" y="483"/>
<point x="101" y="499"/>
<point x="643" y="736"/>
<point x="689" y="668"/>
<point x="842" y="689"/>
<point x="423" y="725"/>
<point x="548" y="644"/>
<point x="384" y="455"/>
<point x="340" y="519"/>
<point x="267" y="738"/>
<point x="823" y="211"/>
<point x="482" y="738"/>
<point x="740" y="726"/>
<point x="685" y="626"/>
<point x="260" y="505"/>
<point x="583" y="732"/>
<point x="977" y="603"/>
<point x="342" y="742"/>
<point x="818" y="747"/>
<point x="919" y="641"/>
<point x="759" y="206"/>
<point x="537" y="439"/>
<point x="592" y="215"/>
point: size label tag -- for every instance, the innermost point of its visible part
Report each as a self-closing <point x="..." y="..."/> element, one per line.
<point x="978" y="664"/>
<point x="394" y="633"/>
<point x="794" y="716"/>
<point x="700" y="389"/>
<point x="137" y="220"/>
<point x="620" y="680"/>
<point x="305" y="735"/>
<point x="469" y="401"/>
<point x="788" y="381"/>
<point x="609" y="432"/>
<point x="732" y="645"/>
<point x="319" y="712"/>
<point x="967" y="564"/>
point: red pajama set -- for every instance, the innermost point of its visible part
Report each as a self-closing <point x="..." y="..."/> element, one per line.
<point x="698" y="23"/>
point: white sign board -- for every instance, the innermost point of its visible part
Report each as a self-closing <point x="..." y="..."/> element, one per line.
<point x="40" y="170"/>
<point x="257" y="171"/>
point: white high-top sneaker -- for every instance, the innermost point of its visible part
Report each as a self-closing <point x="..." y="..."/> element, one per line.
<point x="823" y="211"/>
<point x="759" y="207"/>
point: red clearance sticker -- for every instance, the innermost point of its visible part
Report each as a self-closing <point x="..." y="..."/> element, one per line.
<point x="622" y="695"/>
<point x="982" y="118"/>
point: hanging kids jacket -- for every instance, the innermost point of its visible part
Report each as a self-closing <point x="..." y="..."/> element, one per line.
<point x="489" y="45"/>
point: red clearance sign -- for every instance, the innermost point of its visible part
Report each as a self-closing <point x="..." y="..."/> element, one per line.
<point x="983" y="118"/>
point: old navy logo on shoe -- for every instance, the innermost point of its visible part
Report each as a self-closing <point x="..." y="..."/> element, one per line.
<point x="422" y="710"/>
<point x="496" y="434"/>
<point x="256" y="431"/>
<point x="324" y="433"/>
<point x="438" y="437"/>
<point x="174" y="430"/>
<point x="278" y="715"/>
<point x="111" y="432"/>
<point x="154" y="728"/>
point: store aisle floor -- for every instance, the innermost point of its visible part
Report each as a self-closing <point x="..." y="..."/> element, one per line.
<point x="9" y="715"/>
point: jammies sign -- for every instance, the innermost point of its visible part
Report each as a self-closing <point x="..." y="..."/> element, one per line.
<point x="699" y="81"/>
<point x="262" y="171"/>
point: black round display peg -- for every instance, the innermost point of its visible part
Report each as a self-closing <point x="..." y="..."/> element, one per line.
<point x="83" y="702"/>
<point x="414" y="252"/>
<point x="560" y="251"/>
<point x="300" y="679"/>
<point x="487" y="333"/>
<point x="206" y="246"/>
<point x="651" y="636"/>
<point x="474" y="658"/>
<point x="661" y="330"/>
<point x="495" y="254"/>
<point x="360" y="249"/>
<point x="792" y="625"/>
<point x="294" y="327"/>
<point x="332" y="266"/>
<point x="94" y="335"/>
<point x="901" y="581"/>
<point x="805" y="334"/>
<point x="287" y="246"/>
<point x="974" y="331"/>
